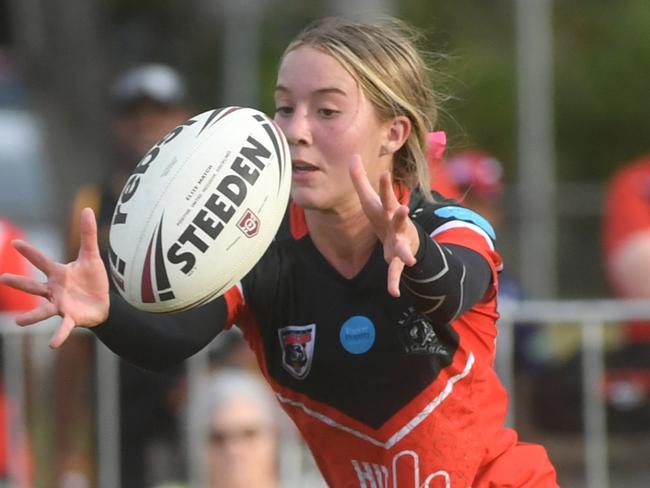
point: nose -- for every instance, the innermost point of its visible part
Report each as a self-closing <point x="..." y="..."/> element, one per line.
<point x="296" y="128"/>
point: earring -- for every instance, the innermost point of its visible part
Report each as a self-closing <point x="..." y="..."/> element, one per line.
<point x="383" y="151"/>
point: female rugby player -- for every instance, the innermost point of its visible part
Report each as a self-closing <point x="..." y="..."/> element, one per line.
<point x="373" y="313"/>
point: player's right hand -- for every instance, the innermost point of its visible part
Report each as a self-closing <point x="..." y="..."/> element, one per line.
<point x="77" y="291"/>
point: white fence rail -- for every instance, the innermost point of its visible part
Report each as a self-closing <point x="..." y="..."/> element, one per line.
<point x="591" y="315"/>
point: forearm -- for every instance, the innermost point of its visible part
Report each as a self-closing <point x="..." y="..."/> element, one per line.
<point x="446" y="280"/>
<point x="156" y="341"/>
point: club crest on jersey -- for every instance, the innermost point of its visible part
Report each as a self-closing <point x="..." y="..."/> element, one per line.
<point x="297" y="343"/>
<point x="418" y="336"/>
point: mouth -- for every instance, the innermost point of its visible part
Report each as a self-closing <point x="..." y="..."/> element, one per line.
<point x="299" y="166"/>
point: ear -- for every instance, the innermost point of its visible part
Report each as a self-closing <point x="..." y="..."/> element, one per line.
<point x="398" y="131"/>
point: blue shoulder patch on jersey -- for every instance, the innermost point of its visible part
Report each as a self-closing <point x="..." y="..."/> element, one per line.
<point x="462" y="213"/>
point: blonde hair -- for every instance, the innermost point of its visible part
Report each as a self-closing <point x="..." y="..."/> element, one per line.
<point x="384" y="61"/>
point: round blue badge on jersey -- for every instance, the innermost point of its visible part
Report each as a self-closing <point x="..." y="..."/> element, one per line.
<point x="357" y="334"/>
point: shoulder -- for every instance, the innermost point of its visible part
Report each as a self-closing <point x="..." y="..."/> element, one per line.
<point x="444" y="216"/>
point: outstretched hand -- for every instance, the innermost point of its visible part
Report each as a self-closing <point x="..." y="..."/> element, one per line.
<point x="390" y="221"/>
<point x="77" y="291"/>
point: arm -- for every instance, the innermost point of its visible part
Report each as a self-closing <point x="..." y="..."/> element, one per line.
<point x="79" y="292"/>
<point x="628" y="265"/>
<point x="446" y="280"/>
<point x="156" y="341"/>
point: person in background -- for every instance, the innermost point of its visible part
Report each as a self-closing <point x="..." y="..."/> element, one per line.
<point x="15" y="457"/>
<point x="626" y="252"/>
<point x="626" y="237"/>
<point x="476" y="178"/>
<point x="147" y="102"/>
<point x="441" y="182"/>
<point x="241" y="422"/>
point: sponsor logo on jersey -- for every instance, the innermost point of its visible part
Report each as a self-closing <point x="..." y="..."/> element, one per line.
<point x="418" y="336"/>
<point x="357" y="334"/>
<point x="404" y="472"/>
<point x="297" y="343"/>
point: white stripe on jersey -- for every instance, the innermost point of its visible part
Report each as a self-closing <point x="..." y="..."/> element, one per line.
<point x="406" y="429"/>
<point x="454" y="224"/>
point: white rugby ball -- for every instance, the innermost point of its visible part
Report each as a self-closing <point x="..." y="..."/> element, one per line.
<point x="199" y="210"/>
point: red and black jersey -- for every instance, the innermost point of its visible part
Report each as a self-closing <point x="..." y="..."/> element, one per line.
<point x="384" y="392"/>
<point x="380" y="394"/>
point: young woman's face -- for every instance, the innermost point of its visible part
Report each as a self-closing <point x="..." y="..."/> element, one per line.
<point x="326" y="119"/>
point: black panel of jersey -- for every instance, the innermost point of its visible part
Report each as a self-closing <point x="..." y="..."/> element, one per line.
<point x="331" y="339"/>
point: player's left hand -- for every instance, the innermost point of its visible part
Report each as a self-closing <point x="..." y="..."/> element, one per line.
<point x="390" y="221"/>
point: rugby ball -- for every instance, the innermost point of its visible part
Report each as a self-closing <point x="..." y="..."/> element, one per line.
<point x="199" y="210"/>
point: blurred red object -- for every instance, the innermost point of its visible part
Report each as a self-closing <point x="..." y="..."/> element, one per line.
<point x="441" y="181"/>
<point x="477" y="173"/>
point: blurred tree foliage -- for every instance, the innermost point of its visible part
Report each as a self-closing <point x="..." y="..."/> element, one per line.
<point x="602" y="73"/>
<point x="601" y="79"/>
<point x="601" y="67"/>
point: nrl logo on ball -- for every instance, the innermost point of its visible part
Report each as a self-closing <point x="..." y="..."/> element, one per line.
<point x="249" y="224"/>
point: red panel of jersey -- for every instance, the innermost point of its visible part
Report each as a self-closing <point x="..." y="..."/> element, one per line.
<point x="383" y="397"/>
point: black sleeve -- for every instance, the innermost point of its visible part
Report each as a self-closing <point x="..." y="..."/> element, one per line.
<point x="446" y="280"/>
<point x="156" y="341"/>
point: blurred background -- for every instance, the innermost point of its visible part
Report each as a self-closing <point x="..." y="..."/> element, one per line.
<point x="556" y="92"/>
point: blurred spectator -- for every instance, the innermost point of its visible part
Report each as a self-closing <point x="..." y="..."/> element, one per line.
<point x="626" y="246"/>
<point x="242" y="426"/>
<point x="478" y="178"/>
<point x="441" y="181"/>
<point x="626" y="240"/>
<point x="148" y="101"/>
<point x="15" y="456"/>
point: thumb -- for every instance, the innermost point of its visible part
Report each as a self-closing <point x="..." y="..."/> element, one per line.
<point x="89" y="247"/>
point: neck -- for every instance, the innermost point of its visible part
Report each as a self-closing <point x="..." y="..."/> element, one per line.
<point x="346" y="239"/>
